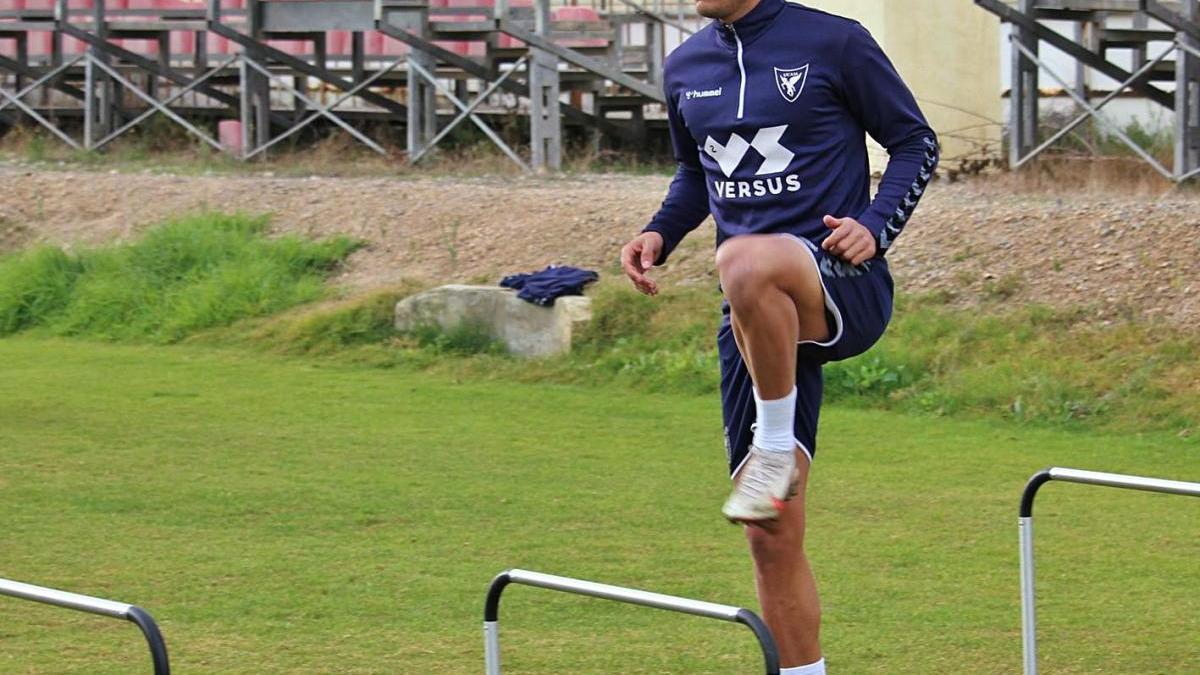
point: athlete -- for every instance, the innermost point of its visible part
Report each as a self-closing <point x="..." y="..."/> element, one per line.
<point x="769" y="106"/>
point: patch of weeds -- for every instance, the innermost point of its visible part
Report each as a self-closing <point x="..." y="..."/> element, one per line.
<point x="465" y="339"/>
<point x="1002" y="288"/>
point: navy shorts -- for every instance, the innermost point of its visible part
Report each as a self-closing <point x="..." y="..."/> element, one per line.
<point x="858" y="306"/>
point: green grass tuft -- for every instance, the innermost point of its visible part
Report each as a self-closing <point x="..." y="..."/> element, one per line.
<point x="464" y="339"/>
<point x="184" y="276"/>
<point x="219" y="279"/>
<point x="1030" y="365"/>
<point x="34" y="284"/>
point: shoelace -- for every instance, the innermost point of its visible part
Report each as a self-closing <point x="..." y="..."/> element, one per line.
<point x="758" y="475"/>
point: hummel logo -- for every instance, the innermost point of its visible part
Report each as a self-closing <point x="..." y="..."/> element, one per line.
<point x="776" y="158"/>
<point x="707" y="93"/>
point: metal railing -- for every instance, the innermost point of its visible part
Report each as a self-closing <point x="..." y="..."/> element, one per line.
<point x="1028" y="607"/>
<point x="491" y="612"/>
<point x="98" y="606"/>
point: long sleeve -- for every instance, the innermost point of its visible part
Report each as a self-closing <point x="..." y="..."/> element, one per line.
<point x="885" y="107"/>
<point x="686" y="203"/>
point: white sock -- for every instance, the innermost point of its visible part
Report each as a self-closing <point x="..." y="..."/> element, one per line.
<point x="817" y="668"/>
<point x="774" y="431"/>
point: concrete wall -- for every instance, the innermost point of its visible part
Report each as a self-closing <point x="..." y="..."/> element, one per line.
<point x="948" y="52"/>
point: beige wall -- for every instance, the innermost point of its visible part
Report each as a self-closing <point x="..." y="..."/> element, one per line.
<point x="948" y="51"/>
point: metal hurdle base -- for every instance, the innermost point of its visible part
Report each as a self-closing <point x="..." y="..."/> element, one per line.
<point x="84" y="603"/>
<point x="491" y="612"/>
<point x="1028" y="605"/>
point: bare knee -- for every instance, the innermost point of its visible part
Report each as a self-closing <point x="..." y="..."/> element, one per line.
<point x="779" y="545"/>
<point x="742" y="270"/>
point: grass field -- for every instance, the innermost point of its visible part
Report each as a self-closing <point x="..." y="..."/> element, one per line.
<point x="299" y="516"/>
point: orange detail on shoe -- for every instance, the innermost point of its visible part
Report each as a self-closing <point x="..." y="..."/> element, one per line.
<point x="779" y="504"/>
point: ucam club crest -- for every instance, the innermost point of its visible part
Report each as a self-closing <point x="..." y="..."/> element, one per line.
<point x="791" y="81"/>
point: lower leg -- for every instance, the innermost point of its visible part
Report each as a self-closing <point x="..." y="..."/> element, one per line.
<point x="766" y="324"/>
<point x="784" y="579"/>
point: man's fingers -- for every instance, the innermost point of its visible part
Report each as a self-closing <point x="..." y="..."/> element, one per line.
<point x="860" y="250"/>
<point x="628" y="255"/>
<point x="651" y="246"/>
<point x="633" y="263"/>
<point x="858" y="253"/>
<point x="836" y="238"/>
<point x="832" y="223"/>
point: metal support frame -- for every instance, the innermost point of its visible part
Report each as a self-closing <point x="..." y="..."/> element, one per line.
<point x="108" y="70"/>
<point x="421" y="118"/>
<point x="155" y="105"/>
<point x="545" y="126"/>
<point x="1025" y="524"/>
<point x="98" y="606"/>
<point x="513" y="85"/>
<point x="1087" y="50"/>
<point x="250" y="65"/>
<point x="491" y="611"/>
<point x="99" y="74"/>
<point x="468" y="111"/>
<point x="15" y="101"/>
<point x="1092" y="111"/>
<point x="1187" y="96"/>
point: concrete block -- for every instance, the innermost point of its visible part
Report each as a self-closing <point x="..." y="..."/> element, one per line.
<point x="525" y="329"/>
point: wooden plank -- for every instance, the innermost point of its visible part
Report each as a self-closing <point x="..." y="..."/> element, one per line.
<point x="35" y="73"/>
<point x="299" y="65"/>
<point x="512" y="84"/>
<point x="147" y="64"/>
<point x="1129" y="38"/>
<point x="573" y="57"/>
<point x="1163" y="98"/>
<point x="1171" y="17"/>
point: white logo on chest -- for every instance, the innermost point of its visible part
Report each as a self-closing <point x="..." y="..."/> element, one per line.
<point x="706" y="93"/>
<point x="729" y="156"/>
<point x="791" y="82"/>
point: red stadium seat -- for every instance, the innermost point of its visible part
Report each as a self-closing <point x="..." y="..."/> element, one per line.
<point x="337" y="43"/>
<point x="72" y="46"/>
<point x="8" y="46"/>
<point x="508" y="41"/>
<point x="584" y="14"/>
<point x="390" y="46"/>
<point x="373" y="43"/>
<point x="461" y="47"/>
<point x="183" y="42"/>
<point x="219" y="45"/>
<point x="141" y="47"/>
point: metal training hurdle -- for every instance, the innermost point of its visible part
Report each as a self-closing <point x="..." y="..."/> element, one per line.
<point x="1028" y="609"/>
<point x="491" y="612"/>
<point x="101" y="607"/>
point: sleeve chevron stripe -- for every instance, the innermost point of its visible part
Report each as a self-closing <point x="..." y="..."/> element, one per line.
<point x="900" y="218"/>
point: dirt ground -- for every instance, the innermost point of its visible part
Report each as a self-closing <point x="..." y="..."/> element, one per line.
<point x="1117" y="253"/>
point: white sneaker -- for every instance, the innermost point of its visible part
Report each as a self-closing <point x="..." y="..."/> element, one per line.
<point x="765" y="483"/>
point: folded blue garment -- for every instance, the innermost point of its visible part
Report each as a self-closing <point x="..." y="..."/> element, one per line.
<point x="542" y="288"/>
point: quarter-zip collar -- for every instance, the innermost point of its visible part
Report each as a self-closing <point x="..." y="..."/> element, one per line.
<point x="749" y="27"/>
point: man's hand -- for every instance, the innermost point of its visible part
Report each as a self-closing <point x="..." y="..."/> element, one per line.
<point x="638" y="256"/>
<point x="851" y="240"/>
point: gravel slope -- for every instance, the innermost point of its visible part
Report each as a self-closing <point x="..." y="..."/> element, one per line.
<point x="982" y="241"/>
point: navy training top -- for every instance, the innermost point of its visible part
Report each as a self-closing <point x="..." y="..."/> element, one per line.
<point x="767" y="118"/>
